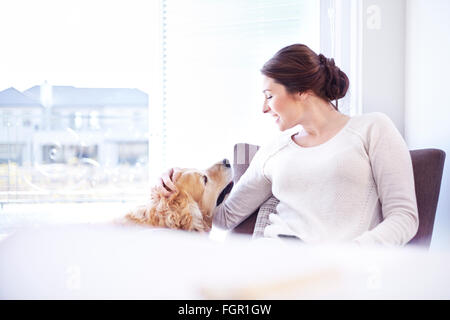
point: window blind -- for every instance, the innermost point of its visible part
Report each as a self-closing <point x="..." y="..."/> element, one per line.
<point x="213" y="51"/>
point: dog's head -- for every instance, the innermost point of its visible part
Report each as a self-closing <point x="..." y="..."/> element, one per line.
<point x="192" y="206"/>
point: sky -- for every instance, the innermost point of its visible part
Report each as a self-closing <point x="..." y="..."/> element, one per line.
<point x="85" y="43"/>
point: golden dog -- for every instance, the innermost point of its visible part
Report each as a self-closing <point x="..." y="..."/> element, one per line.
<point x="191" y="207"/>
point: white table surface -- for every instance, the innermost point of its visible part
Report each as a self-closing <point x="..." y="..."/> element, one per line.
<point x="107" y="262"/>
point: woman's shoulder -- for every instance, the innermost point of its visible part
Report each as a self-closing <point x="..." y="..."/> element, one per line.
<point x="371" y="118"/>
<point x="373" y="126"/>
<point x="368" y="122"/>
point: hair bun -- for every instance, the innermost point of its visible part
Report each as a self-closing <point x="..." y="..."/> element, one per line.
<point x="322" y="59"/>
<point x="336" y="82"/>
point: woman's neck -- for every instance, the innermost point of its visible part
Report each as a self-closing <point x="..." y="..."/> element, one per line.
<point x="320" y="119"/>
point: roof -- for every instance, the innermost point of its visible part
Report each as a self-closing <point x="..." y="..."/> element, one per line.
<point x="68" y="96"/>
<point x="12" y="97"/>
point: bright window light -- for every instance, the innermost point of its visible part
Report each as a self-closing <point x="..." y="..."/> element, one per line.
<point x="74" y="75"/>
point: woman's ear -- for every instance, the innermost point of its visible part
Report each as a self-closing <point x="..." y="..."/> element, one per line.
<point x="303" y="95"/>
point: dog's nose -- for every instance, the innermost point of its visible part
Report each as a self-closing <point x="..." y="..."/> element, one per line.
<point x="226" y="163"/>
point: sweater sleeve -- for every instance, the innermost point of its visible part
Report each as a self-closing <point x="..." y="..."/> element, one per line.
<point x="252" y="189"/>
<point x="393" y="174"/>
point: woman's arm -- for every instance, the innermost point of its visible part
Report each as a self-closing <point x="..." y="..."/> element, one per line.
<point x="246" y="196"/>
<point x="393" y="174"/>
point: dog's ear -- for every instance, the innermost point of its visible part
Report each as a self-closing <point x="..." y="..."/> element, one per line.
<point x="198" y="220"/>
<point x="152" y="213"/>
<point x="177" y="211"/>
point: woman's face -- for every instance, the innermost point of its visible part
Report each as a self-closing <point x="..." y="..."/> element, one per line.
<point x="281" y="105"/>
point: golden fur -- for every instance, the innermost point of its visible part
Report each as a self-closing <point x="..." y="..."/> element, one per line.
<point x="191" y="207"/>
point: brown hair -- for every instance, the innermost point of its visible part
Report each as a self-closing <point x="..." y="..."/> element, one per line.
<point x="299" y="69"/>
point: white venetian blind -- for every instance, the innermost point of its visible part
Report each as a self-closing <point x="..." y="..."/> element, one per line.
<point x="213" y="51"/>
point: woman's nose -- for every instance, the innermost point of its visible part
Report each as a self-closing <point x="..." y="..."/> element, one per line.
<point x="265" y="108"/>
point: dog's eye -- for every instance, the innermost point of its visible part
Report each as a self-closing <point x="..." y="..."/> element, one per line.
<point x="205" y="179"/>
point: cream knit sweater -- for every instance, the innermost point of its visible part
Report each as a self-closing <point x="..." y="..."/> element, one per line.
<point x="357" y="186"/>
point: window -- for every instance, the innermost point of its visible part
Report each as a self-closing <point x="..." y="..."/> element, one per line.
<point x="94" y="123"/>
<point x="212" y="54"/>
<point x="74" y="99"/>
<point x="132" y="87"/>
<point x="77" y="121"/>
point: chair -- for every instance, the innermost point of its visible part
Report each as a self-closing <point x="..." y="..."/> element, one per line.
<point x="427" y="165"/>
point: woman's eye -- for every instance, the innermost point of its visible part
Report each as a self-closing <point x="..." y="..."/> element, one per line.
<point x="205" y="179"/>
<point x="269" y="97"/>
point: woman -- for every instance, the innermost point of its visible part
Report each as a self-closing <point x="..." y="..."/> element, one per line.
<point x="338" y="179"/>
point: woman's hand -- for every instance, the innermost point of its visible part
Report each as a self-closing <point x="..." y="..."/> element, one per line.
<point x="166" y="181"/>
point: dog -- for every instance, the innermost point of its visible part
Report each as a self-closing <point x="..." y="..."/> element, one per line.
<point x="191" y="207"/>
